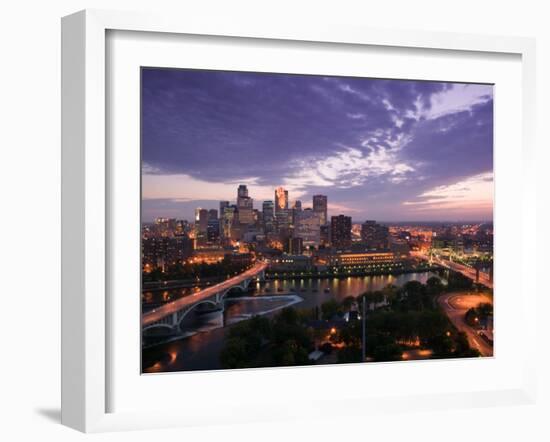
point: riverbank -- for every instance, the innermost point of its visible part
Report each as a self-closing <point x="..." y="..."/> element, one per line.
<point x="347" y="273"/>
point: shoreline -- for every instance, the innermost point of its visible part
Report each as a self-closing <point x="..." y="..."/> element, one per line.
<point x="338" y="275"/>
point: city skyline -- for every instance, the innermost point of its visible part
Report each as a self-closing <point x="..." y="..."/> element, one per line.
<point x="391" y="150"/>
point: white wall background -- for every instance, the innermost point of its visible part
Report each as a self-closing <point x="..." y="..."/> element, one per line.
<point x="30" y="214"/>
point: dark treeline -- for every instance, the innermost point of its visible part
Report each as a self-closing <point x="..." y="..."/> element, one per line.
<point x="398" y="319"/>
<point x="192" y="271"/>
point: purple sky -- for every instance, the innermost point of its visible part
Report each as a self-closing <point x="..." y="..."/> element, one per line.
<point x="388" y="150"/>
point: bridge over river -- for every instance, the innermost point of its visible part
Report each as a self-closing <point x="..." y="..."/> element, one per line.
<point x="170" y="315"/>
<point x="475" y="275"/>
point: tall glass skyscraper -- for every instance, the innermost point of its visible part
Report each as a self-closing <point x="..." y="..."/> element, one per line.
<point x="245" y="206"/>
<point x="268" y="216"/>
<point x="320" y="206"/>
<point x="282" y="215"/>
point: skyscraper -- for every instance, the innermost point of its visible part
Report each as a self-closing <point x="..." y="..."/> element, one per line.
<point x="245" y="206"/>
<point x="228" y="221"/>
<point x="212" y="214"/>
<point x="307" y="227"/>
<point x="324" y="235"/>
<point x="320" y="206"/>
<point x="268" y="217"/>
<point x="340" y="231"/>
<point x="281" y="199"/>
<point x="374" y="235"/>
<point x="223" y="205"/>
<point x="201" y="225"/>
<point x="242" y="192"/>
<point x="296" y="210"/>
<point x="201" y="219"/>
<point x="213" y="226"/>
<point x="282" y="215"/>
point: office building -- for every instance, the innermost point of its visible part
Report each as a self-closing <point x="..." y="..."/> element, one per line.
<point x="374" y="235"/>
<point x="282" y="215"/>
<point x="268" y="215"/>
<point x="320" y="206"/>
<point x="245" y="206"/>
<point x="340" y="231"/>
<point x="308" y="227"/>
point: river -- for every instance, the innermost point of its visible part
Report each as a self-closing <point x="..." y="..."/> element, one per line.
<point x="200" y="350"/>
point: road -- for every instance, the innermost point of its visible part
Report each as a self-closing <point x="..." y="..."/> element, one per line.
<point x="173" y="307"/>
<point x="455" y="306"/>
<point x="465" y="270"/>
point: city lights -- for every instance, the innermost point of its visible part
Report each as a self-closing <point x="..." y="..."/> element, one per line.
<point x="304" y="220"/>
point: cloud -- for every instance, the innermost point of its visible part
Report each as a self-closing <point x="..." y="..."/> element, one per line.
<point x="474" y="193"/>
<point x="458" y="98"/>
<point x="369" y="144"/>
<point x="349" y="167"/>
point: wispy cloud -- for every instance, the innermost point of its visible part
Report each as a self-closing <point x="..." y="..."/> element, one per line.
<point x="348" y="168"/>
<point x="473" y="193"/>
<point x="458" y="98"/>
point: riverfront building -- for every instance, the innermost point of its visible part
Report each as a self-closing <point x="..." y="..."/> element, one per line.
<point x="353" y="259"/>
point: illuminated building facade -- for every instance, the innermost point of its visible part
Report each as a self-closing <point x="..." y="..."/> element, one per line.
<point x="282" y="215"/>
<point x="294" y="263"/>
<point x="361" y="259"/>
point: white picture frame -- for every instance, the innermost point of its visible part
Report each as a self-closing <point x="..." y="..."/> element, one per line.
<point x="85" y="213"/>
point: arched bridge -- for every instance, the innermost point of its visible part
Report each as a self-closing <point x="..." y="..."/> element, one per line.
<point x="170" y="315"/>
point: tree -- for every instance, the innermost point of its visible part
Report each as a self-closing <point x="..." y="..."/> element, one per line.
<point x="349" y="354"/>
<point x="442" y="345"/>
<point x="347" y="302"/>
<point x="388" y="352"/>
<point x="462" y="347"/>
<point x="390" y="292"/>
<point x="457" y="281"/>
<point x="290" y="353"/>
<point x="378" y="297"/>
<point x="434" y="286"/>
<point x="414" y="295"/>
<point x="288" y="315"/>
<point x="234" y="354"/>
<point x="485" y="309"/>
<point x="329" y="309"/>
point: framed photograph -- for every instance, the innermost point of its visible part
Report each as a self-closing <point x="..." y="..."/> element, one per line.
<point x="263" y="212"/>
